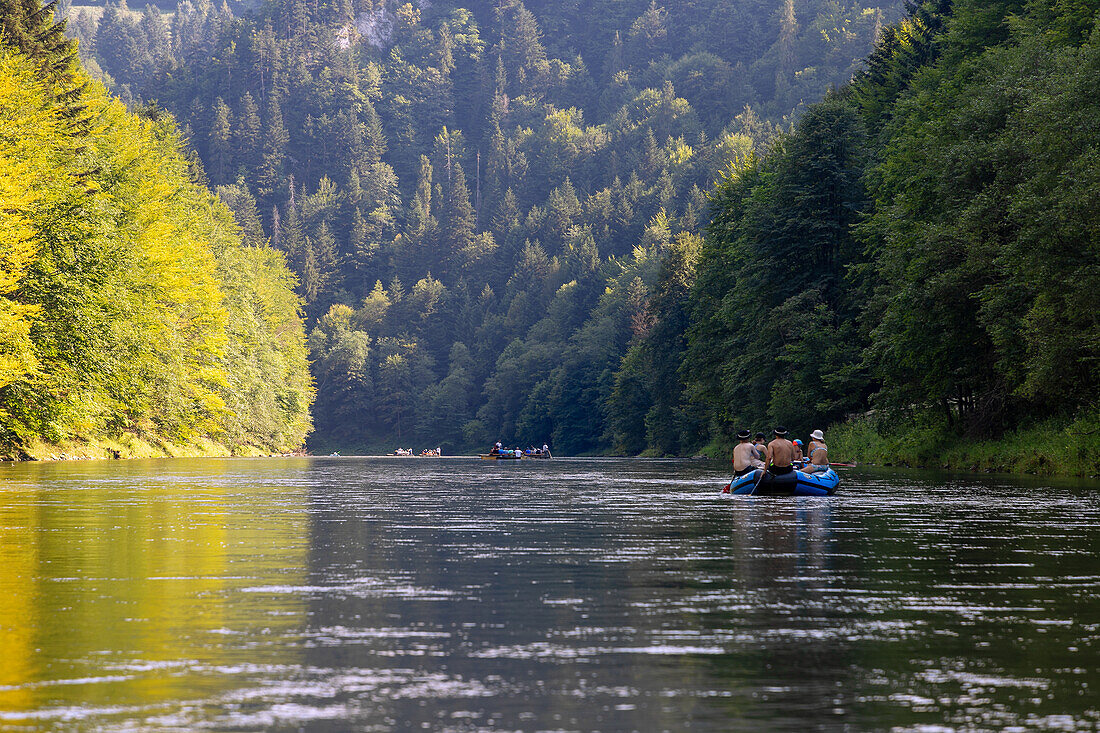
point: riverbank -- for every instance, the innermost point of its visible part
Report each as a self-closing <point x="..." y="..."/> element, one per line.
<point x="1051" y="448"/>
<point x="127" y="445"/>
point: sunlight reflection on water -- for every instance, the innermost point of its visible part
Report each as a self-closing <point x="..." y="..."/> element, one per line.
<point x="597" y="594"/>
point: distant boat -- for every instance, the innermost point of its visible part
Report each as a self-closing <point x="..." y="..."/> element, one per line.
<point x="506" y="456"/>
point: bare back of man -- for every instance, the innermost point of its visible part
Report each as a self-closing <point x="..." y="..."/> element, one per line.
<point x="780" y="454"/>
<point x="745" y="458"/>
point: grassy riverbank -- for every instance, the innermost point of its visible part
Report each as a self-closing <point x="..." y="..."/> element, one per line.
<point x="1051" y="448"/>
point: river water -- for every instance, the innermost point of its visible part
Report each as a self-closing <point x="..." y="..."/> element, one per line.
<point x="397" y="594"/>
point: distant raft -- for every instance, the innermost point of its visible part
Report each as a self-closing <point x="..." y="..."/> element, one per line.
<point x="794" y="483"/>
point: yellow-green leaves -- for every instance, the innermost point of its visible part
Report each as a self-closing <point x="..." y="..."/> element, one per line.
<point x="127" y="299"/>
<point x="27" y="132"/>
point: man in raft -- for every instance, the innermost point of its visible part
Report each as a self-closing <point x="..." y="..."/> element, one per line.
<point x="760" y="447"/>
<point x="819" y="454"/>
<point x="745" y="458"/>
<point x="780" y="454"/>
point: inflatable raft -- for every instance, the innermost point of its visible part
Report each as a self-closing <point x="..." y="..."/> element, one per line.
<point x="794" y="483"/>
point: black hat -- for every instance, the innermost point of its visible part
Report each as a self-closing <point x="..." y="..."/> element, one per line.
<point x="759" y="436"/>
<point x="744" y="434"/>
<point x="781" y="431"/>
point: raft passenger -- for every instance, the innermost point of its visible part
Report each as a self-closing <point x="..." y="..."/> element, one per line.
<point x="819" y="454"/>
<point x="758" y="445"/>
<point x="780" y="454"/>
<point x="745" y="457"/>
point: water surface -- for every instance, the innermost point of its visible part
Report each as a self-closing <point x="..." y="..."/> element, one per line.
<point x="589" y="595"/>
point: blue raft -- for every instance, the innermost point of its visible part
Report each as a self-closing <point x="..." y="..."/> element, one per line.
<point x="794" y="483"/>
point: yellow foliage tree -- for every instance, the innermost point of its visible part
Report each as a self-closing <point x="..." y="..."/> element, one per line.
<point x="29" y="132"/>
<point x="128" y="301"/>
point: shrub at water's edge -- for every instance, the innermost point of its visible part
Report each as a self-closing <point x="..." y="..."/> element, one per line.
<point x="1053" y="447"/>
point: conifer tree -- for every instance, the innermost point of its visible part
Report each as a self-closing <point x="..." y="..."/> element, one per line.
<point x="29" y="26"/>
<point x="458" y="220"/>
<point x="246" y="135"/>
<point x="219" y="145"/>
<point x="273" y="149"/>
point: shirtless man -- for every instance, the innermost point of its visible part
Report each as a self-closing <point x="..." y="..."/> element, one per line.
<point x="780" y="454"/>
<point x="745" y="458"/>
<point x="819" y="454"/>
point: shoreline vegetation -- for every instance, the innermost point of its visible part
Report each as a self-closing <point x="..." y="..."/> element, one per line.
<point x="1052" y="448"/>
<point x="1049" y="448"/>
<point x="136" y="316"/>
<point x="131" y="446"/>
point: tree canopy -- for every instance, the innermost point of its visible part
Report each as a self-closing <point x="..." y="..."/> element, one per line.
<point x="633" y="227"/>
<point x="128" y="300"/>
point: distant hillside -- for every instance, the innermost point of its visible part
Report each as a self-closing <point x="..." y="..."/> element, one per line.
<point x="482" y="201"/>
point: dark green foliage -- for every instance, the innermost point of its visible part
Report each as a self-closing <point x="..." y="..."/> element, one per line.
<point x="523" y="170"/>
<point x="991" y="163"/>
<point x="772" y="335"/>
<point x="30" y="27"/>
<point x="944" y="260"/>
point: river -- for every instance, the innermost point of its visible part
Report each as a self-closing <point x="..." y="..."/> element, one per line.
<point x="397" y="594"/>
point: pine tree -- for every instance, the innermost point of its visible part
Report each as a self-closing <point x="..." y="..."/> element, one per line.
<point x="361" y="248"/>
<point x="246" y="136"/>
<point x="273" y="150"/>
<point x="374" y="137"/>
<point x="521" y="50"/>
<point x="327" y="261"/>
<point x="291" y="239"/>
<point x="29" y="26"/>
<point x="648" y="35"/>
<point x="788" y="31"/>
<point x="415" y="250"/>
<point x="458" y="220"/>
<point x="221" y="155"/>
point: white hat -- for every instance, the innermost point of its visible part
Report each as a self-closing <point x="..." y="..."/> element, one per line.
<point x="817" y="435"/>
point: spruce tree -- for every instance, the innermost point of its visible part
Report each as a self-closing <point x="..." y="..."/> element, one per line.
<point x="29" y="26"/>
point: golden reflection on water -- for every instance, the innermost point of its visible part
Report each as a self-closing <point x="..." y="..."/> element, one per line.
<point x="18" y="563"/>
<point x="113" y="595"/>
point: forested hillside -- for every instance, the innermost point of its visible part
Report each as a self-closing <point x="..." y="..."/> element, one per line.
<point x="130" y="308"/>
<point x="630" y="226"/>
<point x="485" y="202"/>
<point x="926" y="242"/>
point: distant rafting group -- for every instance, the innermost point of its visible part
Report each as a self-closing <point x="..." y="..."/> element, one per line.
<point x="426" y="453"/>
<point x="781" y="467"/>
<point x="499" y="453"/>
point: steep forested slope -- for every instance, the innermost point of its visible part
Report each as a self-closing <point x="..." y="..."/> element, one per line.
<point x="926" y="241"/>
<point x="128" y="303"/>
<point x="485" y="202"/>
